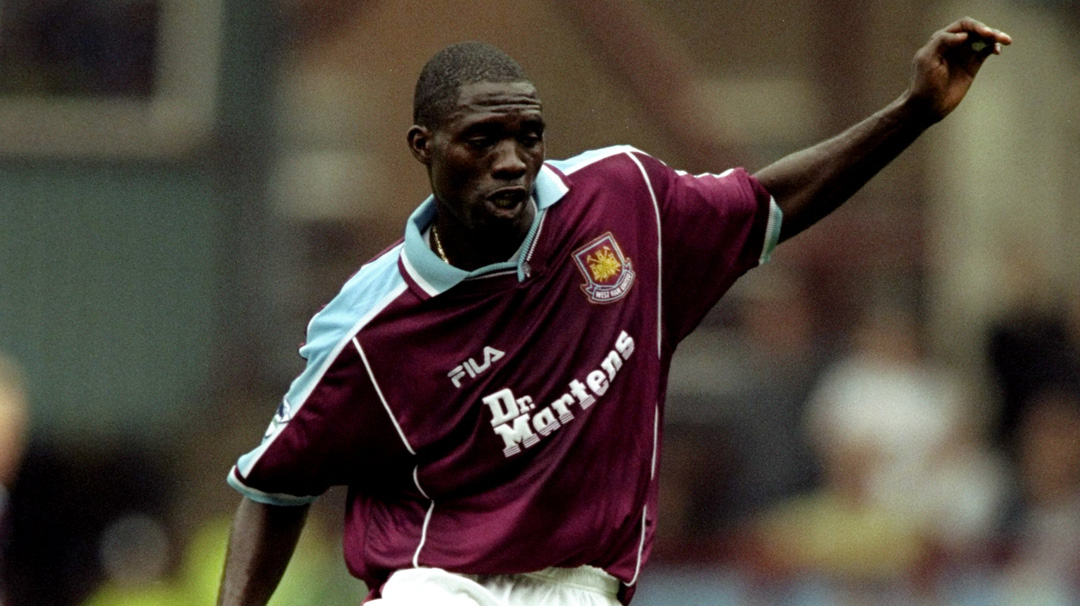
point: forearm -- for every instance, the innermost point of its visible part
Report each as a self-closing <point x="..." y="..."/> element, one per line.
<point x="261" y="543"/>
<point x="811" y="183"/>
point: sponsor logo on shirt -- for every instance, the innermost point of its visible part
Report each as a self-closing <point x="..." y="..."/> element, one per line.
<point x="472" y="368"/>
<point x="521" y="424"/>
<point x="608" y="273"/>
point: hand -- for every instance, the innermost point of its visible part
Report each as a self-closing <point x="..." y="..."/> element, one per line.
<point x="946" y="66"/>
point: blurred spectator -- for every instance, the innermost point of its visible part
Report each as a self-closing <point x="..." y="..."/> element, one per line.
<point x="68" y="500"/>
<point x="1031" y="348"/>
<point x="733" y="443"/>
<point x="1044" y="567"/>
<point x="783" y="356"/>
<point x="1034" y="358"/>
<point x="14" y="427"/>
<point x="134" y="553"/>
<point x="905" y="472"/>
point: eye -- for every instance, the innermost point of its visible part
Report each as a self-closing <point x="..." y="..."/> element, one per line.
<point x="532" y="139"/>
<point x="479" y="142"/>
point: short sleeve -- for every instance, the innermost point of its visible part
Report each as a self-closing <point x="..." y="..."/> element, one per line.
<point x="714" y="228"/>
<point x="330" y="429"/>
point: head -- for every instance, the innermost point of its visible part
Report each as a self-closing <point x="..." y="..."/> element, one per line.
<point x="1050" y="446"/>
<point x="479" y="131"/>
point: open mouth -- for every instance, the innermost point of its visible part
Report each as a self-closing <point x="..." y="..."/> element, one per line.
<point x="508" y="198"/>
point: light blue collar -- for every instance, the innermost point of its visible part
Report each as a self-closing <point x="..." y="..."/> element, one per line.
<point x="434" y="276"/>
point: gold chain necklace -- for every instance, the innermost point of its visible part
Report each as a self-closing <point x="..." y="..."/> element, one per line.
<point x="438" y="245"/>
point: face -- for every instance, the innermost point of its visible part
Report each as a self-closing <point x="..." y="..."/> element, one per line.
<point x="484" y="158"/>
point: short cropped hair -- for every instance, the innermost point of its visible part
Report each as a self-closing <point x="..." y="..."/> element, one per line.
<point x="453" y="67"/>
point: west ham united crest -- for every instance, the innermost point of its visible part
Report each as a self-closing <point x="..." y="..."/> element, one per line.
<point x="608" y="274"/>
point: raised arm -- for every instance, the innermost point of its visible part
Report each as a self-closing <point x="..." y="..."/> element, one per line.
<point x="261" y="544"/>
<point x="809" y="184"/>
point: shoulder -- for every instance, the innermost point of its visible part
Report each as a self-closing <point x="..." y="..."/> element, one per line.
<point x="604" y="157"/>
<point x="370" y="290"/>
<point x="621" y="169"/>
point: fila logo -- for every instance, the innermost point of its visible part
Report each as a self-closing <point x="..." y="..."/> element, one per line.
<point x="472" y="368"/>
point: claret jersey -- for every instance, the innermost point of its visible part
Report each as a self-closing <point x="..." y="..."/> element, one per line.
<point x="509" y="419"/>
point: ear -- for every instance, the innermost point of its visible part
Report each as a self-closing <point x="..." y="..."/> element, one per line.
<point x="419" y="138"/>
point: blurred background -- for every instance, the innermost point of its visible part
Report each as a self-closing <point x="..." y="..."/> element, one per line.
<point x="889" y="412"/>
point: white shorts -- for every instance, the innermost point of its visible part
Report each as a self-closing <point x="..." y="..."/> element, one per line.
<point x="583" y="586"/>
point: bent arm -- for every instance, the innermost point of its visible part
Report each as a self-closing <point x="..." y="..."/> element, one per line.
<point x="261" y="544"/>
<point x="810" y="184"/>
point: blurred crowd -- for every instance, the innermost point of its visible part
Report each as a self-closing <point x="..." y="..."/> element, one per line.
<point x="805" y="468"/>
<point x="900" y="480"/>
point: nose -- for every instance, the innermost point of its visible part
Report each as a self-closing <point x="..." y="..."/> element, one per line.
<point x="509" y="160"/>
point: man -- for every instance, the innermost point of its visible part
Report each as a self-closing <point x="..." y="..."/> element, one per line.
<point x="491" y="388"/>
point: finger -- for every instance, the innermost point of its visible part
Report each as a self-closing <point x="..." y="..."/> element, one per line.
<point x="970" y="41"/>
<point x="981" y="45"/>
<point x="1002" y="37"/>
<point x="984" y="45"/>
<point x="967" y="24"/>
<point x="965" y="50"/>
<point x="997" y="36"/>
<point x="952" y="40"/>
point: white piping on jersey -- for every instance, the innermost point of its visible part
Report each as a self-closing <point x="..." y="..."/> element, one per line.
<point x="382" y="398"/>
<point x="494" y="274"/>
<point x="659" y="353"/>
<point x="405" y="441"/>
<point x="592" y="157"/>
<point x="659" y="258"/>
<point x="772" y="231"/>
<point x="641" y="546"/>
<point x="536" y="238"/>
<point x="417" y="276"/>
<point x="427" y="517"/>
<point x="655" y="440"/>
<point x="248" y="461"/>
<point x="727" y="172"/>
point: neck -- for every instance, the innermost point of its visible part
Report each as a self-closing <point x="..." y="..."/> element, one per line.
<point x="472" y="249"/>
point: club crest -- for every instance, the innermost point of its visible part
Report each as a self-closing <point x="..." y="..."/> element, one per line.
<point x="608" y="274"/>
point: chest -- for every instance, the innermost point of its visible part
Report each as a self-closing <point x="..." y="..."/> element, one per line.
<point x="500" y="370"/>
